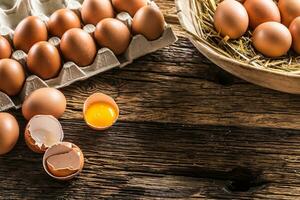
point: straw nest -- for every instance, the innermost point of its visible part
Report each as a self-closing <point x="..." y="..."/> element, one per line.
<point x="240" y="49"/>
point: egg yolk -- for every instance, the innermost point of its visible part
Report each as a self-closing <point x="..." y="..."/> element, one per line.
<point x="100" y="114"/>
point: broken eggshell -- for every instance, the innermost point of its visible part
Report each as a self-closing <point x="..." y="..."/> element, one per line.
<point x="42" y="132"/>
<point x="63" y="161"/>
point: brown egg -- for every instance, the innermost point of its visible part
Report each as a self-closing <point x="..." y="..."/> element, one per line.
<point x="289" y="10"/>
<point x="9" y="132"/>
<point x="78" y="46"/>
<point x="44" y="101"/>
<point x="61" y="21"/>
<point x="5" y="48"/>
<point x="12" y="76"/>
<point x="272" y="39"/>
<point x="262" y="11"/>
<point x="93" y="11"/>
<point x="231" y="19"/>
<point x="44" y="60"/>
<point x="130" y="6"/>
<point x="148" y="21"/>
<point x="28" y="32"/>
<point x="113" y="34"/>
<point x="295" y="32"/>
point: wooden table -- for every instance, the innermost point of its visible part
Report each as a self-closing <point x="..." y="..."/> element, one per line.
<point x="187" y="130"/>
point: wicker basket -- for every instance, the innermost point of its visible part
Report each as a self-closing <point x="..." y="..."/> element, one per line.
<point x="285" y="81"/>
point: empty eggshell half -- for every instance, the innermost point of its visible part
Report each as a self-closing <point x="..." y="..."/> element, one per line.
<point x="103" y="98"/>
<point x="63" y="161"/>
<point x="42" y="132"/>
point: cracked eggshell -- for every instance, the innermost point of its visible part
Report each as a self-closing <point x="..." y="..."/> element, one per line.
<point x="63" y="161"/>
<point x="42" y="132"/>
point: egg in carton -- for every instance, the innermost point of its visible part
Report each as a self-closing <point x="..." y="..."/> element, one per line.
<point x="12" y="12"/>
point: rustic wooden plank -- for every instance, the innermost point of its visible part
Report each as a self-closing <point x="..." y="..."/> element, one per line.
<point x="187" y="130"/>
<point x="177" y="84"/>
<point x="135" y="160"/>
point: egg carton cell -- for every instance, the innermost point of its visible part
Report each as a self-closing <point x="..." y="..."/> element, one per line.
<point x="12" y="12"/>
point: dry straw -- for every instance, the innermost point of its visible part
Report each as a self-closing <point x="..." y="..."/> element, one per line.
<point x="240" y="49"/>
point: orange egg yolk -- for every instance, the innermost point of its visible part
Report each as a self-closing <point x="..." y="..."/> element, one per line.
<point x="100" y="114"/>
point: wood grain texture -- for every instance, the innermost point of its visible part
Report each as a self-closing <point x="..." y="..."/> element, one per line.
<point x="152" y="160"/>
<point x="178" y="77"/>
<point x="187" y="130"/>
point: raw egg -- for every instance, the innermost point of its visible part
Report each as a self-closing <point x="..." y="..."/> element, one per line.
<point x="100" y="114"/>
<point x="262" y="11"/>
<point x="12" y="76"/>
<point x="93" y="11"/>
<point x="100" y="111"/>
<point x="42" y="132"/>
<point x="28" y="32"/>
<point x="44" y="101"/>
<point x="78" y="46"/>
<point x="289" y="9"/>
<point x="9" y="132"/>
<point x="44" y="60"/>
<point x="295" y="32"/>
<point x="113" y="34"/>
<point x="231" y="19"/>
<point x="61" y="21"/>
<point x="5" y="48"/>
<point x="272" y="39"/>
<point x="130" y="6"/>
<point x="148" y="21"/>
<point x="63" y="161"/>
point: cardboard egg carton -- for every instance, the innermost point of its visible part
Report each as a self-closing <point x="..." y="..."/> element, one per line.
<point x="13" y="11"/>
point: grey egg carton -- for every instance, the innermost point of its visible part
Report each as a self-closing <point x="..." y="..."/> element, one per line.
<point x="13" y="11"/>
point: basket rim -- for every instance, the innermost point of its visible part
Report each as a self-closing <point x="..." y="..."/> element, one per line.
<point x="181" y="15"/>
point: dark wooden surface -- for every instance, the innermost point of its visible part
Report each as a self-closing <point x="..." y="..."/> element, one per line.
<point x="187" y="130"/>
